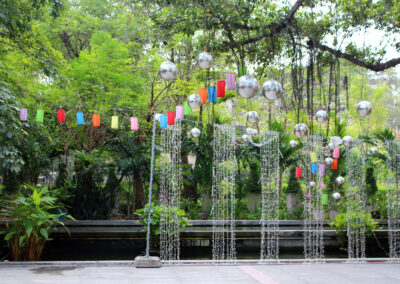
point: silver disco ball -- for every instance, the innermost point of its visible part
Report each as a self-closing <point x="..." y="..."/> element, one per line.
<point x="194" y="101"/>
<point x="251" y="131"/>
<point x="321" y="116"/>
<point x="300" y="130"/>
<point x="168" y="71"/>
<point x="339" y="180"/>
<point x="311" y="184"/>
<point x="327" y="151"/>
<point x="331" y="146"/>
<point x="205" y="60"/>
<point x="328" y="161"/>
<point x="157" y="116"/>
<point x="293" y="143"/>
<point x="246" y="138"/>
<point x="272" y="90"/>
<point x="364" y="108"/>
<point x="195" y="132"/>
<point x="247" y="86"/>
<point x="336" y="195"/>
<point x="253" y="117"/>
<point x="373" y="151"/>
<point x="348" y="141"/>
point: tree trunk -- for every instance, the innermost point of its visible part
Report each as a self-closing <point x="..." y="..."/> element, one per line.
<point x="139" y="193"/>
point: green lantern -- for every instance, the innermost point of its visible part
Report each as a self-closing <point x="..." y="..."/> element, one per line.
<point x="39" y="115"/>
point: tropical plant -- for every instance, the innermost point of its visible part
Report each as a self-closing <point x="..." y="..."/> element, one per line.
<point x="30" y="218"/>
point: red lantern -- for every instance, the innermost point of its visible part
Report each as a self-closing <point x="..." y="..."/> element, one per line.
<point x="96" y="120"/>
<point x="220" y="89"/>
<point x="171" y="118"/>
<point x="298" y="172"/>
<point x="334" y="164"/>
<point x="61" y="115"/>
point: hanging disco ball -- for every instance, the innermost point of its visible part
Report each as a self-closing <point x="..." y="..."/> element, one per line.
<point x="247" y="86"/>
<point x="168" y="71"/>
<point x="272" y="90"/>
<point x="293" y="143"/>
<point x="373" y="151"/>
<point x="251" y="131"/>
<point x="300" y="130"/>
<point x="321" y="116"/>
<point x="253" y="117"/>
<point x="157" y="116"/>
<point x="195" y="132"/>
<point x="246" y="138"/>
<point x="364" y="108"/>
<point x="194" y="101"/>
<point x="339" y="180"/>
<point x="348" y="141"/>
<point x="328" y="161"/>
<point x="331" y="146"/>
<point x="336" y="195"/>
<point x="327" y="151"/>
<point x="311" y="184"/>
<point x="205" y="60"/>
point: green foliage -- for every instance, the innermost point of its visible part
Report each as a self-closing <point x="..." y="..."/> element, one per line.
<point x="370" y="182"/>
<point x="32" y="216"/>
<point x="294" y="185"/>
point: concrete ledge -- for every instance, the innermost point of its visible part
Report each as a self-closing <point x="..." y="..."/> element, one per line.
<point x="147" y="262"/>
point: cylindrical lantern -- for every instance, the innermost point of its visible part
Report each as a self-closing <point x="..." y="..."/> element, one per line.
<point x="212" y="94"/>
<point x="163" y="121"/>
<point x="313" y="157"/>
<point x="134" y="123"/>
<point x="298" y="172"/>
<point x="114" y="122"/>
<point x="171" y="118"/>
<point x="321" y="169"/>
<point x="79" y="118"/>
<point x="61" y="115"/>
<point x="179" y="112"/>
<point x="23" y="114"/>
<point x="314" y="168"/>
<point x="40" y="115"/>
<point x="221" y="89"/>
<point x="96" y="120"/>
<point x="324" y="200"/>
<point x="336" y="153"/>
<point x="187" y="110"/>
<point x="230" y="81"/>
<point x="203" y="95"/>
<point x="334" y="164"/>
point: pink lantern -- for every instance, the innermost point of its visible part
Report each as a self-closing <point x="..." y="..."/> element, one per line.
<point x="23" y="114"/>
<point x="336" y="153"/>
<point x="230" y="81"/>
<point x="134" y="123"/>
<point x="321" y="169"/>
<point x="179" y="112"/>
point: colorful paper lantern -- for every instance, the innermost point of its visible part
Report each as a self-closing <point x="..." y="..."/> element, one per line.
<point x="298" y="172"/>
<point x="163" y="121"/>
<point x="96" y="120"/>
<point x="40" y="115"/>
<point x="79" y="118"/>
<point x="324" y="200"/>
<point x="179" y="112"/>
<point x="321" y="169"/>
<point x="230" y="81"/>
<point x="134" y="123"/>
<point x="203" y="95"/>
<point x="23" y="114"/>
<point x="313" y="157"/>
<point x="314" y="168"/>
<point x="221" y="89"/>
<point x="334" y="164"/>
<point x="187" y="110"/>
<point x="212" y="94"/>
<point x="61" y="115"/>
<point x="336" y="153"/>
<point x="114" y="122"/>
<point x="170" y="118"/>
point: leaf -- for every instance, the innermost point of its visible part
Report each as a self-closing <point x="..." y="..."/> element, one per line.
<point x="43" y="232"/>
<point x="9" y="236"/>
<point x="21" y="240"/>
<point x="36" y="198"/>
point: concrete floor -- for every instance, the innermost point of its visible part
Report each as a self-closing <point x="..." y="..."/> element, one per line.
<point x="341" y="273"/>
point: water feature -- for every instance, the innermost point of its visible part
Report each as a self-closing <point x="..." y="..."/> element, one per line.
<point x="170" y="191"/>
<point x="223" y="193"/>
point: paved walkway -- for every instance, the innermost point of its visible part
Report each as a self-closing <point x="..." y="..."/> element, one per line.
<point x="210" y="274"/>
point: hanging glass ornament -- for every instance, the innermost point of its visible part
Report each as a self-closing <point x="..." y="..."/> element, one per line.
<point x="194" y="101"/>
<point x="300" y="130"/>
<point x="168" y="71"/>
<point x="364" y="108"/>
<point x="205" y="60"/>
<point x="293" y="143"/>
<point x="336" y="195"/>
<point x="272" y="90"/>
<point x="348" y="141"/>
<point x="339" y="181"/>
<point x="246" y="138"/>
<point x="23" y="114"/>
<point x="253" y="117"/>
<point x="328" y="161"/>
<point x="373" y="151"/>
<point x="321" y="116"/>
<point x="96" y="120"/>
<point x="195" y="132"/>
<point x="247" y="86"/>
<point x="251" y="131"/>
